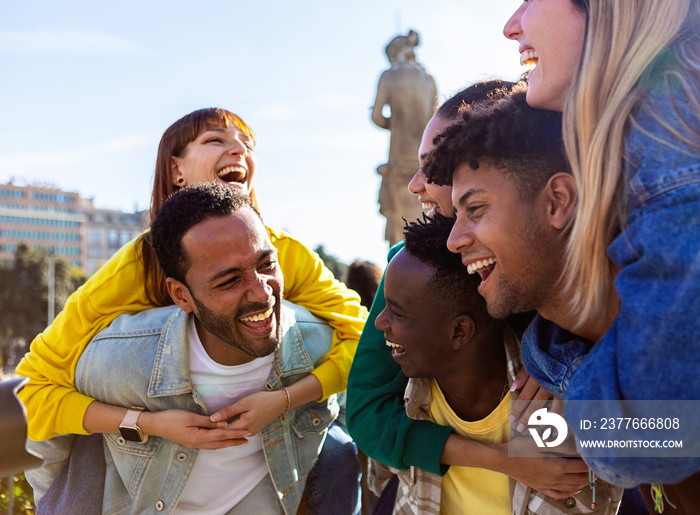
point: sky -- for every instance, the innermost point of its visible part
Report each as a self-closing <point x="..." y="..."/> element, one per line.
<point x="89" y="87"/>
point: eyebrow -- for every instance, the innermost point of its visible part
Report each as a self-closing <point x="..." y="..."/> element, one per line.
<point x="223" y="129"/>
<point x="463" y="199"/>
<point x="394" y="304"/>
<point x="235" y="269"/>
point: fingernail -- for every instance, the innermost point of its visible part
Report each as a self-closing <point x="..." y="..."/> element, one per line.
<point x="579" y="491"/>
<point x="514" y="386"/>
<point x="247" y="435"/>
<point x="512" y="418"/>
<point x="216" y="417"/>
<point x="521" y="428"/>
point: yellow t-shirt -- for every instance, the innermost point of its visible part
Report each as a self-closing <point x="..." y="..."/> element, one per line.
<point x="468" y="489"/>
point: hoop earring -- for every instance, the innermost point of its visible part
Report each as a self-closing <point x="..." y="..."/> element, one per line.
<point x="179" y="182"/>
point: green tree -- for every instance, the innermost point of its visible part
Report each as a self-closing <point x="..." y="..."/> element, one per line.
<point x="23" y="496"/>
<point x="332" y="263"/>
<point x="24" y="295"/>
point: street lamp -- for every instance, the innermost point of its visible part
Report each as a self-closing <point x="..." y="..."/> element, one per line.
<point x="52" y="285"/>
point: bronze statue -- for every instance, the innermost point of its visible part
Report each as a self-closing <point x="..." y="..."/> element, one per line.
<point x="411" y="95"/>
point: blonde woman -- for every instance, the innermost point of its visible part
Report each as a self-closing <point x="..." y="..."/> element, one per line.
<point x="626" y="75"/>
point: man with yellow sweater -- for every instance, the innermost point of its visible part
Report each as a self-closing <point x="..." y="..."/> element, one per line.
<point x="461" y="363"/>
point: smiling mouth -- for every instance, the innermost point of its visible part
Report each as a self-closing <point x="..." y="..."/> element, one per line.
<point x="396" y="349"/>
<point x="529" y="57"/>
<point x="483" y="267"/>
<point x="260" y="322"/>
<point x="233" y="174"/>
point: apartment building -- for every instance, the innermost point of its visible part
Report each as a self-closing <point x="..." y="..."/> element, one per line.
<point x="43" y="216"/>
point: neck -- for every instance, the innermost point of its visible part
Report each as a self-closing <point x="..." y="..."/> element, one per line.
<point x="558" y="311"/>
<point x="218" y="350"/>
<point x="475" y="383"/>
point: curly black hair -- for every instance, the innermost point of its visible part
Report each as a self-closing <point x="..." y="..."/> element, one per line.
<point x="183" y="210"/>
<point x="522" y="142"/>
<point x="478" y="92"/>
<point x="426" y="240"/>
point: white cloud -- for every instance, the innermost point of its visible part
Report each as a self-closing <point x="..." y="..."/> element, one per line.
<point x="67" y="41"/>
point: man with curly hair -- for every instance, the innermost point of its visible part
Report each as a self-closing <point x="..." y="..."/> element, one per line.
<point x="461" y="363"/>
<point x="513" y="199"/>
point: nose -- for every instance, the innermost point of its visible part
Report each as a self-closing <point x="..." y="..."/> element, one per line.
<point x="512" y="30"/>
<point x="382" y="322"/>
<point x="461" y="237"/>
<point x="417" y="184"/>
<point x="260" y="289"/>
<point x="237" y="147"/>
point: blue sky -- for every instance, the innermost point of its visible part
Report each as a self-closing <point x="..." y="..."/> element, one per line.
<point x="88" y="88"/>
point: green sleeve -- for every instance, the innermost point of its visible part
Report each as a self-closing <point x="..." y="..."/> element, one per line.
<point x="376" y="416"/>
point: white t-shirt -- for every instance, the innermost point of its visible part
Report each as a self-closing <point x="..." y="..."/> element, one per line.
<point x="221" y="478"/>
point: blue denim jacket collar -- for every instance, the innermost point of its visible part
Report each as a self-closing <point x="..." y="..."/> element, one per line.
<point x="171" y="375"/>
<point x="552" y="355"/>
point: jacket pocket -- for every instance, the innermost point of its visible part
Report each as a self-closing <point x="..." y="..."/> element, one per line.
<point x="147" y="449"/>
<point x="312" y="418"/>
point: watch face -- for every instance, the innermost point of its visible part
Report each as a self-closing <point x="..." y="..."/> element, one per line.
<point x="131" y="434"/>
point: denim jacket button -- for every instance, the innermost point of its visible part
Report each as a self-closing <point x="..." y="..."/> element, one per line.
<point x="181" y="456"/>
<point x="121" y="441"/>
<point x="160" y="506"/>
<point x="570" y="502"/>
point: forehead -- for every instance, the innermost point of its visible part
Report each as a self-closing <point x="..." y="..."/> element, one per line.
<point x="486" y="179"/>
<point x="407" y="277"/>
<point x="232" y="241"/>
<point x="232" y="130"/>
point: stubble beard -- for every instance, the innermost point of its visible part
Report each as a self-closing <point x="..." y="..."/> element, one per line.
<point x="226" y="329"/>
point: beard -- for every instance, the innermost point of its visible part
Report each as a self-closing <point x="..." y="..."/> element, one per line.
<point x="227" y="327"/>
<point x="532" y="285"/>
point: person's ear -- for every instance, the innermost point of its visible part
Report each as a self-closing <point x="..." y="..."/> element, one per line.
<point x="562" y="196"/>
<point x="178" y="179"/>
<point x="180" y="294"/>
<point x="463" y="328"/>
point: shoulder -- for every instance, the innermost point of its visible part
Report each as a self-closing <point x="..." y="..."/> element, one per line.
<point x="661" y="149"/>
<point x="301" y="327"/>
<point x="395" y="250"/>
<point x="287" y="245"/>
<point x="149" y="322"/>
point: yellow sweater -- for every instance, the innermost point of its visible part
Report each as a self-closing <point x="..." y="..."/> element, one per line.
<point x="53" y="404"/>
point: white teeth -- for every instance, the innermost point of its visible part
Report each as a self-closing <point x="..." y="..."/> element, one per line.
<point x="472" y="268"/>
<point x="259" y="317"/>
<point x="426" y="206"/>
<point x="392" y="344"/>
<point x="232" y="169"/>
<point x="528" y="57"/>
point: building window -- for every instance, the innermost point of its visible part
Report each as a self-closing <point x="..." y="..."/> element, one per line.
<point x="113" y="238"/>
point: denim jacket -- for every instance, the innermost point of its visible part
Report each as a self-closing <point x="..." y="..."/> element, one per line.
<point x="142" y="360"/>
<point x="652" y="351"/>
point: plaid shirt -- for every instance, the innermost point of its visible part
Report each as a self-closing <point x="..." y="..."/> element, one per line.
<point x="419" y="491"/>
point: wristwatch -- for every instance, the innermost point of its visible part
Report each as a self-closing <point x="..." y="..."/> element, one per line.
<point x="129" y="430"/>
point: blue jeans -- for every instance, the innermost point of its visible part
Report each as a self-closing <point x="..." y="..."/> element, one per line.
<point x="333" y="485"/>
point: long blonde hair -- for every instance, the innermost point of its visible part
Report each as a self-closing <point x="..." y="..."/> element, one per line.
<point x="623" y="40"/>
